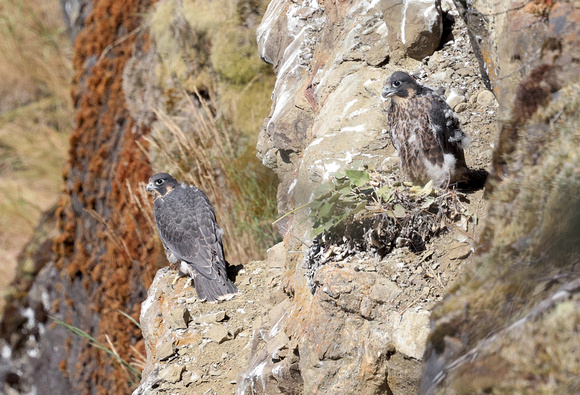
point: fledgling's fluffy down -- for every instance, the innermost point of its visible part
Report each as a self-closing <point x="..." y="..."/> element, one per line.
<point x="191" y="236"/>
<point x="426" y="133"/>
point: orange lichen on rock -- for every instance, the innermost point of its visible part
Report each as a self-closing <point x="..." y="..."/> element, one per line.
<point x="105" y="245"/>
<point x="540" y="8"/>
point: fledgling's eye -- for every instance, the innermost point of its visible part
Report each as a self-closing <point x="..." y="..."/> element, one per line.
<point x="396" y="84"/>
<point x="158" y="182"/>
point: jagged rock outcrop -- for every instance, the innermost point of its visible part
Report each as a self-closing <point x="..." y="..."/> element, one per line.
<point x="355" y="333"/>
<point x="194" y="346"/>
<point x="329" y="63"/>
<point x="415" y="27"/>
<point x="319" y="56"/>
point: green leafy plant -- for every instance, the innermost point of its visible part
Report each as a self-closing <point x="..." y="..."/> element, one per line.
<point x="358" y="205"/>
<point x="365" y="211"/>
<point x="345" y="196"/>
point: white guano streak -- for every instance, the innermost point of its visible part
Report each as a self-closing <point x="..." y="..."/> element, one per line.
<point x="404" y="21"/>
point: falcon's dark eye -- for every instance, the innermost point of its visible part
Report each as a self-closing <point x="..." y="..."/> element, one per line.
<point x="396" y="84"/>
<point x="158" y="182"/>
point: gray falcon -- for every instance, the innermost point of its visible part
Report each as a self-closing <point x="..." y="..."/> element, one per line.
<point x="192" y="239"/>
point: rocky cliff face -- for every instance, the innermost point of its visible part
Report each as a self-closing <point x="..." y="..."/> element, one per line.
<point x="344" y="333"/>
<point x="351" y="320"/>
<point x="365" y="326"/>
<point x="361" y="330"/>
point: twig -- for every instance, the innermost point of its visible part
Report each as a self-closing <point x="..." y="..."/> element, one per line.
<point x="110" y="233"/>
<point x="296" y="237"/>
<point x="119" y="41"/>
<point x="292" y="211"/>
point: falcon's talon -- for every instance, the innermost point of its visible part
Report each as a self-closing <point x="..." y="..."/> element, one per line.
<point x="228" y="296"/>
<point x="188" y="282"/>
<point x="178" y="275"/>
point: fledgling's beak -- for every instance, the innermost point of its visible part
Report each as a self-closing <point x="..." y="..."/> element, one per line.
<point x="387" y="92"/>
<point x="150" y="187"/>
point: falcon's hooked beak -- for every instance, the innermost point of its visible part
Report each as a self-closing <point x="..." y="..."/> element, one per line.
<point x="150" y="187"/>
<point x="387" y="92"/>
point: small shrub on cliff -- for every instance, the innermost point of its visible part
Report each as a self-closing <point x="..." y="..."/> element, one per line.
<point x="361" y="211"/>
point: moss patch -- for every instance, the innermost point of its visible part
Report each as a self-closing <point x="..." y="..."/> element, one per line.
<point x="532" y="244"/>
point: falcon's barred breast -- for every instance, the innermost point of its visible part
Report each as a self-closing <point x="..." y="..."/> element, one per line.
<point x="192" y="239"/>
<point x="426" y="133"/>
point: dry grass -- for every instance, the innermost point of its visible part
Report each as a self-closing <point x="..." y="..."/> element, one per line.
<point x="131" y="369"/>
<point x="35" y="118"/>
<point x="219" y="160"/>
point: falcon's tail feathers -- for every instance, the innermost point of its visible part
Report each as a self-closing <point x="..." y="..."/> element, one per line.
<point x="212" y="290"/>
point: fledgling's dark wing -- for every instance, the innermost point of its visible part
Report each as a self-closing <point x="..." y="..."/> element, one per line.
<point x="188" y="228"/>
<point x="446" y="126"/>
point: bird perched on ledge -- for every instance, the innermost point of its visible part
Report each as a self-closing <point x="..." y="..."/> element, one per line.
<point x="426" y="133"/>
<point x="192" y="239"/>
